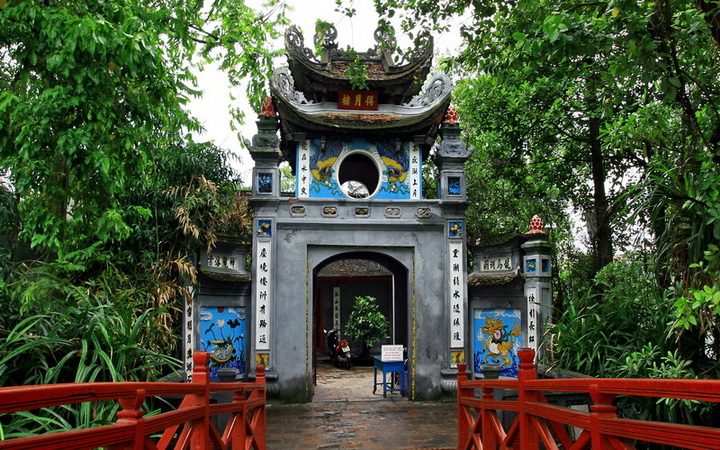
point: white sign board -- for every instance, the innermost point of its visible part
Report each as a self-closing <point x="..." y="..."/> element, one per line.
<point x="392" y="353"/>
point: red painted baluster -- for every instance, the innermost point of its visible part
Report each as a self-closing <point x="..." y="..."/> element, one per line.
<point x="489" y="437"/>
<point x="260" y="413"/>
<point x="235" y="429"/>
<point x="528" y="435"/>
<point x="602" y="407"/>
<point x="462" y="392"/>
<point x="131" y="414"/>
<point x="201" y="375"/>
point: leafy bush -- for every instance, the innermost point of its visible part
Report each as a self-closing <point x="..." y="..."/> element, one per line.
<point x="367" y="323"/>
<point x="623" y="327"/>
<point x="88" y="343"/>
<point x="624" y="309"/>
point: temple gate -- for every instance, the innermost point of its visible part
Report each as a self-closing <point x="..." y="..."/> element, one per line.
<point x="360" y="222"/>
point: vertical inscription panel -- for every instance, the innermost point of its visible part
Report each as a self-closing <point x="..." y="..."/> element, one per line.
<point x="532" y="319"/>
<point x="456" y="289"/>
<point x="415" y="181"/>
<point x="303" y="170"/>
<point x="263" y="300"/>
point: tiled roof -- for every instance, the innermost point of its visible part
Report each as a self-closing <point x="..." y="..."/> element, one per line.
<point x="353" y="268"/>
<point x="477" y="279"/>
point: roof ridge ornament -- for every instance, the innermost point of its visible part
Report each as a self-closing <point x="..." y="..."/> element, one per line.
<point x="385" y="38"/>
<point x="434" y="88"/>
<point x="536" y="226"/>
<point x="325" y="35"/>
<point x="451" y="116"/>
<point x="294" y="41"/>
<point x="268" y="109"/>
<point x="385" y="50"/>
<point x="285" y="84"/>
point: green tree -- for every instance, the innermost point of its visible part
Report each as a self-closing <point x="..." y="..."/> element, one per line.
<point x="367" y="324"/>
<point x="101" y="175"/>
<point x="615" y="106"/>
<point x="92" y="91"/>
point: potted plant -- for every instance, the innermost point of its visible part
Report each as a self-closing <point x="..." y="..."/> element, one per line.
<point x="367" y="324"/>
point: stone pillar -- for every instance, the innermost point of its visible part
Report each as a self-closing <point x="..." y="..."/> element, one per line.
<point x="538" y="295"/>
<point x="264" y="151"/>
<point x="451" y="156"/>
<point x="265" y="194"/>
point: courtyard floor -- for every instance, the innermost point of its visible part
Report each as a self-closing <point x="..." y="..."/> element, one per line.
<point x="346" y="414"/>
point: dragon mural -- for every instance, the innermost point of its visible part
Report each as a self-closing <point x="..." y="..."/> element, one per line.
<point x="498" y="334"/>
<point x="324" y="164"/>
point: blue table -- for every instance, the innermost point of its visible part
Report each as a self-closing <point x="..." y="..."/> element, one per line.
<point x="396" y="383"/>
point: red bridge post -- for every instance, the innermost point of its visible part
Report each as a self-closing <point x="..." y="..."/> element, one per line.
<point x="528" y="434"/>
<point x="261" y="429"/>
<point x="131" y="414"/>
<point x="463" y="423"/>
<point x="200" y="438"/>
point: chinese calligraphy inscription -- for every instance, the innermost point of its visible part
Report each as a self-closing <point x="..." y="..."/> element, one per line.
<point x="457" y="295"/>
<point x="263" y="294"/>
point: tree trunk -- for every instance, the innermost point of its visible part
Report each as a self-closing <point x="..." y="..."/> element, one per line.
<point x="602" y="242"/>
<point x="602" y="239"/>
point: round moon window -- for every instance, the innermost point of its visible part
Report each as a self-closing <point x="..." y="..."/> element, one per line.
<point x="358" y="176"/>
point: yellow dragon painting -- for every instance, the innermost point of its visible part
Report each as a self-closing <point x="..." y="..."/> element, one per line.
<point x="499" y="344"/>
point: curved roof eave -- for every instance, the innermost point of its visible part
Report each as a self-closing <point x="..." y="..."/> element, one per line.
<point x="302" y="59"/>
<point x="420" y="113"/>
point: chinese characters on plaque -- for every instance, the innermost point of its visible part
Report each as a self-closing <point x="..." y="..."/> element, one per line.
<point x="415" y="172"/>
<point x="496" y="264"/>
<point x="189" y="338"/>
<point x="263" y="270"/>
<point x="221" y="261"/>
<point x="457" y="295"/>
<point x="358" y="100"/>
<point x="531" y="295"/>
<point x="303" y="167"/>
<point x="336" y="310"/>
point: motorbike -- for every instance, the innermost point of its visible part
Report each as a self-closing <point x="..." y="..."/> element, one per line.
<point x="339" y="350"/>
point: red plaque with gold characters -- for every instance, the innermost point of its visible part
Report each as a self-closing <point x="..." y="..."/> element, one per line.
<point x="359" y="100"/>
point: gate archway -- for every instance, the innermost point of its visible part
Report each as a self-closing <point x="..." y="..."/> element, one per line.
<point x="339" y="279"/>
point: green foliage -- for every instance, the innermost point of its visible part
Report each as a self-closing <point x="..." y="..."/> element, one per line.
<point x="105" y="197"/>
<point x="357" y="73"/>
<point x="698" y="312"/>
<point x="622" y="311"/>
<point x="628" y="334"/>
<point x="367" y="323"/>
<point x="515" y="167"/>
<point x="92" y="92"/>
<point x="108" y="347"/>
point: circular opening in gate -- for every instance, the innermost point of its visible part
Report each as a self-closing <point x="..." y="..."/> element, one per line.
<point x="359" y="176"/>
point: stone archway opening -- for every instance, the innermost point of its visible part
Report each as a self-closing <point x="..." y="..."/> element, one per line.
<point x="337" y="282"/>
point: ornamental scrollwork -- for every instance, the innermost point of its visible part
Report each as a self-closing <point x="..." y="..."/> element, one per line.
<point x="385" y="38"/>
<point x="325" y="35"/>
<point x="294" y="37"/>
<point x="295" y="43"/>
<point x="284" y="83"/>
<point x="436" y="87"/>
<point x="422" y="51"/>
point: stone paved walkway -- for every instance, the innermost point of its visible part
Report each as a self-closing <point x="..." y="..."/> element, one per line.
<point x="345" y="414"/>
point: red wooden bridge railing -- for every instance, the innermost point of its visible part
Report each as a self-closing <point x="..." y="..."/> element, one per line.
<point x="189" y="426"/>
<point x="538" y="422"/>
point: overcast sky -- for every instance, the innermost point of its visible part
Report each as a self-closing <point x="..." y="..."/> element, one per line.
<point x="213" y="108"/>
